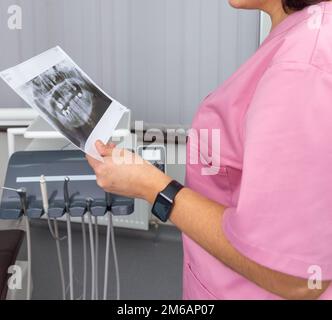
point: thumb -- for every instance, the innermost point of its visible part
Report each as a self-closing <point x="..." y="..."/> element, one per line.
<point x="103" y="149"/>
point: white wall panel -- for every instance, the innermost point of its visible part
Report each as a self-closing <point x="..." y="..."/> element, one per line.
<point x="158" y="57"/>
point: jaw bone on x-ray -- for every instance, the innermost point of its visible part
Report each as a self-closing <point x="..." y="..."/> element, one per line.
<point x="69" y="99"/>
<point x="66" y="93"/>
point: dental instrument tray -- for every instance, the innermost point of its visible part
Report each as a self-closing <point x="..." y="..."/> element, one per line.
<point x="25" y="170"/>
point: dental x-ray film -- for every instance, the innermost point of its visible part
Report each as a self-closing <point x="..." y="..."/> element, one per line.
<point x="67" y="98"/>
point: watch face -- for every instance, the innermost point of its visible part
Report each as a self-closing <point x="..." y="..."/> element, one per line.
<point x="162" y="208"/>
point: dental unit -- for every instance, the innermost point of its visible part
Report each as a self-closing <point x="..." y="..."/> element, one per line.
<point x="61" y="185"/>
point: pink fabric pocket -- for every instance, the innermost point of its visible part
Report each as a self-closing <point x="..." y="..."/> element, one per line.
<point x="194" y="288"/>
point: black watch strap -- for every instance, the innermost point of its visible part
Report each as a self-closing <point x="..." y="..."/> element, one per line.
<point x="170" y="192"/>
<point x="164" y="202"/>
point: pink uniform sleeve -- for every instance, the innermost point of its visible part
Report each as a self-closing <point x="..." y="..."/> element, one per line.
<point x="283" y="219"/>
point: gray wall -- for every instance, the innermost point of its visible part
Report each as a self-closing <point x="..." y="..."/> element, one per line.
<point x="158" y="57"/>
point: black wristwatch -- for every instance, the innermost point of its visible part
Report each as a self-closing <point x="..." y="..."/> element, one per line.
<point x="164" y="202"/>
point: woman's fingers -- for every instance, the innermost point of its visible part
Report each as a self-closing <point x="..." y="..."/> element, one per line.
<point x="105" y="149"/>
<point x="94" y="163"/>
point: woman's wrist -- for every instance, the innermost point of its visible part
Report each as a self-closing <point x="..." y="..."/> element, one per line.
<point x="156" y="182"/>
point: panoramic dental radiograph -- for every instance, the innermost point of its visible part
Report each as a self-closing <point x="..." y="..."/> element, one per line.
<point x="71" y="99"/>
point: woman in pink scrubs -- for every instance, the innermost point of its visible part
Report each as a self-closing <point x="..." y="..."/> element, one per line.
<point x="256" y="213"/>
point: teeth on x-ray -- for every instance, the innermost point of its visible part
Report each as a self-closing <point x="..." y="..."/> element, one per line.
<point x="69" y="99"/>
<point x="65" y="93"/>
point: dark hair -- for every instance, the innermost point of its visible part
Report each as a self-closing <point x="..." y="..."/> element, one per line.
<point x="296" y="5"/>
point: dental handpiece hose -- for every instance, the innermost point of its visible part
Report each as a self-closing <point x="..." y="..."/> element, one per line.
<point x="110" y="238"/>
<point x="23" y="198"/>
<point x="96" y="258"/>
<point x="85" y="258"/>
<point x="70" y="244"/>
<point x="89" y="202"/>
<point x="54" y="234"/>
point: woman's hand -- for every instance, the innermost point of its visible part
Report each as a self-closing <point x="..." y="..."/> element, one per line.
<point x="125" y="173"/>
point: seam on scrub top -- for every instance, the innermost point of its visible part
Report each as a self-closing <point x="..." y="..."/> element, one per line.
<point x="235" y="164"/>
<point x="244" y="244"/>
<point x="305" y="64"/>
<point x="318" y="35"/>
<point x="228" y="193"/>
<point x="223" y="161"/>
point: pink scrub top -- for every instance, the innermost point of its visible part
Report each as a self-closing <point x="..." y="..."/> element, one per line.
<point x="274" y="168"/>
